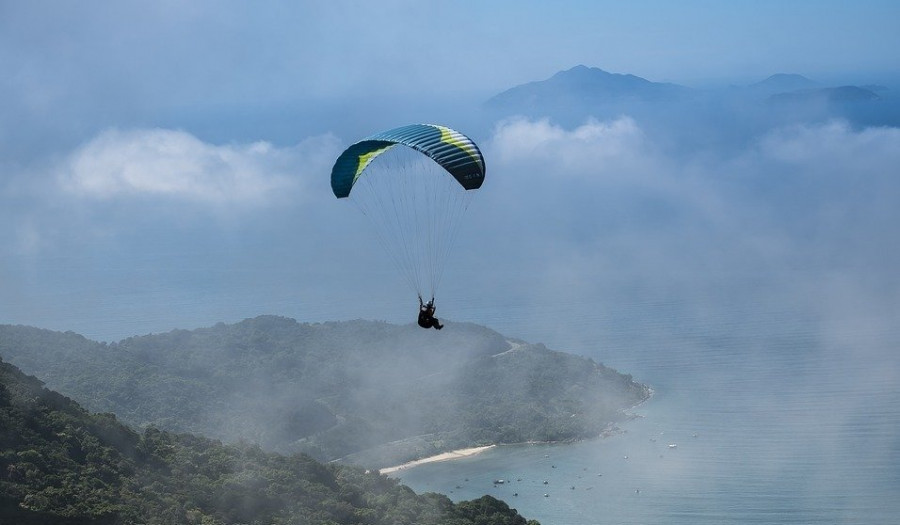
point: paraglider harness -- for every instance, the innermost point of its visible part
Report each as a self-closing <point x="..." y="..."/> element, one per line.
<point x="426" y="315"/>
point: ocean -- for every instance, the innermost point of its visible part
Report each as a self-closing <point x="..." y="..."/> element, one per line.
<point x="757" y="417"/>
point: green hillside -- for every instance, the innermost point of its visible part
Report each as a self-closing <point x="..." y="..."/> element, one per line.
<point x="60" y="464"/>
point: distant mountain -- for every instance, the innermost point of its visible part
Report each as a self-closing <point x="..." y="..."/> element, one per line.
<point x="831" y="94"/>
<point x="585" y="87"/>
<point x="60" y="464"/>
<point x="793" y="88"/>
<point x="784" y="82"/>
<point x="379" y="392"/>
<point x="682" y="119"/>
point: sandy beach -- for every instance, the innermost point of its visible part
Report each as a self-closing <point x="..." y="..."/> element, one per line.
<point x="446" y="456"/>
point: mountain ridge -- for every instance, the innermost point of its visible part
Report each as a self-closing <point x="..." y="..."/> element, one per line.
<point x="685" y="120"/>
<point x="783" y="82"/>
<point x="586" y="85"/>
<point x="594" y="87"/>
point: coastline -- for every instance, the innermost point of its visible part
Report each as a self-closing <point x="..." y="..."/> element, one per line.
<point x="612" y="429"/>
<point x="446" y="456"/>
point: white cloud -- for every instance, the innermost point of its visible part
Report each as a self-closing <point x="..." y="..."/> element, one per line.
<point x="600" y="171"/>
<point x="592" y="148"/>
<point x="834" y="146"/>
<point x="174" y="164"/>
<point x="796" y="171"/>
<point x="788" y="211"/>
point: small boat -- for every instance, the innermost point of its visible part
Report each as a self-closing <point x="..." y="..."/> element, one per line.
<point x="673" y="445"/>
<point x="499" y="481"/>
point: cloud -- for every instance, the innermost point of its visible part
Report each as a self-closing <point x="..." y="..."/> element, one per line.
<point x="602" y="175"/>
<point x="828" y="181"/>
<point x="171" y="164"/>
<point x="592" y="149"/>
<point x="824" y="158"/>
<point x="793" y="209"/>
<point x="794" y="172"/>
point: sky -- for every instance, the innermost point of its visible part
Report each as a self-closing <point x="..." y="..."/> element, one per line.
<point x="92" y="65"/>
<point x="165" y="165"/>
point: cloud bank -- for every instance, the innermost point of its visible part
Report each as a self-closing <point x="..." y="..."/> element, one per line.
<point x="596" y="217"/>
<point x="172" y="164"/>
<point x="569" y="218"/>
<point x="815" y="172"/>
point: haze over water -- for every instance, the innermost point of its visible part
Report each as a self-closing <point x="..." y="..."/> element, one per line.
<point x="772" y="424"/>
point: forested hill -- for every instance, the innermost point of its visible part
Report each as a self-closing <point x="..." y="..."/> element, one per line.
<point x="368" y="392"/>
<point x="60" y="464"/>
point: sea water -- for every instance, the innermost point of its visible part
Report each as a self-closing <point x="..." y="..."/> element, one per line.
<point x="770" y="421"/>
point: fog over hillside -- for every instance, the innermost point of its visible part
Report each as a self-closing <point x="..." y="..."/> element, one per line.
<point x="63" y="464"/>
<point x="359" y="391"/>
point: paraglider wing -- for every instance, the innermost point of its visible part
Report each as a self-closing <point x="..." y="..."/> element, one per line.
<point x="454" y="151"/>
<point x="412" y="183"/>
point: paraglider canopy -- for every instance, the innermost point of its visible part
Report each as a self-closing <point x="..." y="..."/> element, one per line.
<point x="452" y="150"/>
<point x="414" y="184"/>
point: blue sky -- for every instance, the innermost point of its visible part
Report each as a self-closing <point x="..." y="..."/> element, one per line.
<point x="131" y="58"/>
<point x="163" y="164"/>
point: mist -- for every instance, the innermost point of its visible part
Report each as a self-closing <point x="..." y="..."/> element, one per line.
<point x="579" y="219"/>
<point x="728" y="239"/>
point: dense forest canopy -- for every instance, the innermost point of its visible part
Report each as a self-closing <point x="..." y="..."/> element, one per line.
<point x="62" y="464"/>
